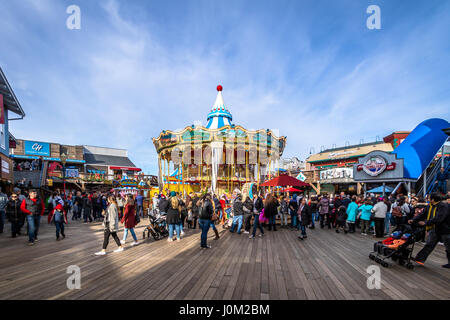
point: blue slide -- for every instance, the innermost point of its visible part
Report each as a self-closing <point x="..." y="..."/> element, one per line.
<point x="421" y="145"/>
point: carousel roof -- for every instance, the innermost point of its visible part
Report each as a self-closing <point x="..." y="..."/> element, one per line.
<point x="219" y="116"/>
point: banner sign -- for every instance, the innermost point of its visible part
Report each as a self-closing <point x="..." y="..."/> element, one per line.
<point x="37" y="148"/>
<point x="378" y="166"/>
<point x="72" y="173"/>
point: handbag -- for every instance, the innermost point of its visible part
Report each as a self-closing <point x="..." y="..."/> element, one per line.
<point x="214" y="217"/>
<point x="137" y="219"/>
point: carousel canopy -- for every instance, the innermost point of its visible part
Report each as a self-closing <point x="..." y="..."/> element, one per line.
<point x="219" y="116"/>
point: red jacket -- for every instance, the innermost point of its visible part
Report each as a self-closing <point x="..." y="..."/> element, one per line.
<point x="60" y="208"/>
<point x="23" y="207"/>
<point x="129" y="217"/>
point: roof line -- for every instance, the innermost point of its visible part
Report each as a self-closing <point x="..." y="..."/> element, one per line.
<point x="352" y="146"/>
<point x="13" y="94"/>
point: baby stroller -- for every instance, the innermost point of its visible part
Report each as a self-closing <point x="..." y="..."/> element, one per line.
<point x="399" y="247"/>
<point x="229" y="221"/>
<point x="157" y="227"/>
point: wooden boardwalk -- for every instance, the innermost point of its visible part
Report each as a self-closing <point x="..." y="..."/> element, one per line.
<point x="279" y="266"/>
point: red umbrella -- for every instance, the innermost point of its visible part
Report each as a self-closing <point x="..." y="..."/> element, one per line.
<point x="284" y="181"/>
<point x="292" y="190"/>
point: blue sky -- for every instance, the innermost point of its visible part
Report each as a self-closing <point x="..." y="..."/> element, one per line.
<point x="310" y="69"/>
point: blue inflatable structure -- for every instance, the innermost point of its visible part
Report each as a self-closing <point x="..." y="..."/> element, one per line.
<point x="421" y="146"/>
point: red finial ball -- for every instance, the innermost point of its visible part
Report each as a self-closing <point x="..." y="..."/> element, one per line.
<point x="219" y="88"/>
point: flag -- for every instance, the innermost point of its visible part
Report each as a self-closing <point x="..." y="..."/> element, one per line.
<point x="2" y="111"/>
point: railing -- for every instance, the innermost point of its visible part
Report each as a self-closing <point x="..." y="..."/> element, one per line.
<point x="432" y="174"/>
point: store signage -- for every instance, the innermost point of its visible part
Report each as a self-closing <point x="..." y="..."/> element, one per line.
<point x="375" y="166"/>
<point x="5" y="166"/>
<point x="37" y="148"/>
<point x="378" y="166"/>
<point x="336" y="173"/>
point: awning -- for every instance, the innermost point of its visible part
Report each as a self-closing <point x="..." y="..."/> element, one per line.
<point x="14" y="156"/>
<point x="125" y="168"/>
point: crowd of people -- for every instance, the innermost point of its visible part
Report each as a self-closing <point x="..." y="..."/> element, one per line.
<point x="369" y="215"/>
<point x="33" y="165"/>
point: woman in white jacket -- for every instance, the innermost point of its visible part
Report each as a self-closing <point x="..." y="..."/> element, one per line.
<point x="111" y="226"/>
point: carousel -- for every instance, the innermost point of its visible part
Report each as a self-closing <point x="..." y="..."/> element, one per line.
<point x="219" y="157"/>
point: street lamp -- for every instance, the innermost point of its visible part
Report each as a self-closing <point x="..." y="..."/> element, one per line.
<point x="63" y="161"/>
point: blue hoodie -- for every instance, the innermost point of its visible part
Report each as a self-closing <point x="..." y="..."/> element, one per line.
<point x="352" y="210"/>
<point x="366" y="211"/>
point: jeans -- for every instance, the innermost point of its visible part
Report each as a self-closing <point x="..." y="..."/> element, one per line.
<point x="140" y="210"/>
<point x="125" y="234"/>
<point x="442" y="185"/>
<point x="15" y="228"/>
<point x="2" y="220"/>
<point x="87" y="214"/>
<point x="432" y="241"/>
<point x="177" y="229"/>
<point x="237" y="220"/>
<point x="59" y="228"/>
<point x="247" y="220"/>
<point x="272" y="222"/>
<point x="314" y="215"/>
<point x="284" y="219"/>
<point x="387" y="222"/>
<point x="33" y="222"/>
<point x="256" y="225"/>
<point x="322" y="220"/>
<point x="204" y="225"/>
<point x="213" y="226"/>
<point x="293" y="219"/>
<point x="303" y="230"/>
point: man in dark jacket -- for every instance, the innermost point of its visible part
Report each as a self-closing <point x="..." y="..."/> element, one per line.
<point x="258" y="206"/>
<point x="238" y="212"/>
<point x="163" y="205"/>
<point x="87" y="207"/>
<point x="436" y="219"/>
<point x="441" y="180"/>
<point x="304" y="217"/>
<point x="15" y="215"/>
<point x="206" y="212"/>
<point x="195" y="210"/>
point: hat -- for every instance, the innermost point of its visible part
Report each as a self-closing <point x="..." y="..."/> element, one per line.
<point x="173" y="193"/>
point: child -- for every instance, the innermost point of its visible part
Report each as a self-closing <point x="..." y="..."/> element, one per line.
<point x="59" y="217"/>
<point x="341" y="219"/>
<point x="365" y="213"/>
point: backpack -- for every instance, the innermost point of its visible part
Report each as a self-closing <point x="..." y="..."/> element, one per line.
<point x="397" y="212"/>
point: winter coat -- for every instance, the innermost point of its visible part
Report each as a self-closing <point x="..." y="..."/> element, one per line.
<point x="173" y="211"/>
<point x="13" y="212"/>
<point x="248" y="206"/>
<point x="111" y="220"/>
<point x="441" y="219"/>
<point x="56" y="211"/>
<point x="342" y="215"/>
<point x="366" y="212"/>
<point x="324" y="205"/>
<point x="380" y="210"/>
<point x="270" y="209"/>
<point x="258" y="205"/>
<point x="129" y="216"/>
<point x="304" y="215"/>
<point x="352" y="212"/>
<point x="238" y="207"/>
<point x="163" y="205"/>
<point x="206" y="210"/>
<point x="284" y="207"/>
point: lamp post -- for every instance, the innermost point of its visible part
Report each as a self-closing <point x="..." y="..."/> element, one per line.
<point x="63" y="161"/>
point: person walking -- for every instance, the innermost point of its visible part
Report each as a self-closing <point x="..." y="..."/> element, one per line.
<point x="173" y="216"/>
<point x="216" y="206"/>
<point x="248" y="213"/>
<point x="120" y="204"/>
<point x="304" y="216"/>
<point x="129" y="220"/>
<point x="34" y="208"/>
<point x="3" y="204"/>
<point x="352" y="212"/>
<point x="258" y="206"/>
<point x="441" y="180"/>
<point x="365" y="212"/>
<point x="270" y="211"/>
<point x="87" y="208"/>
<point x="204" y="221"/>
<point x="293" y="207"/>
<point x="110" y="226"/>
<point x="59" y="216"/>
<point x="380" y="211"/>
<point x="314" y="205"/>
<point x="15" y="216"/>
<point x="238" y="212"/>
<point x="324" y="207"/>
<point x="284" y="212"/>
<point x="436" y="219"/>
<point x="195" y="210"/>
<point x="140" y="204"/>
